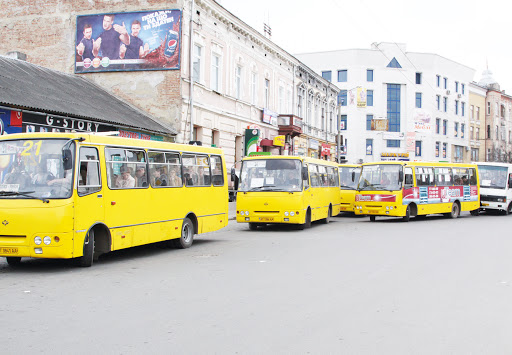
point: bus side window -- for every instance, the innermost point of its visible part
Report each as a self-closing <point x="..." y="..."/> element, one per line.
<point x="409" y="182"/>
<point x="89" y="176"/>
<point x="472" y="176"/>
<point x="305" y="181"/>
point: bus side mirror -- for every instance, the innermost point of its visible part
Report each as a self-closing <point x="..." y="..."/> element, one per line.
<point x="304" y="173"/>
<point x="353" y="176"/>
<point x="67" y="159"/>
<point x="400" y="176"/>
<point x="233" y="174"/>
<point x="510" y="182"/>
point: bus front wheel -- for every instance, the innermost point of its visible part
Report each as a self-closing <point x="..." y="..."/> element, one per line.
<point x="253" y="226"/>
<point x="187" y="235"/>
<point x="475" y="212"/>
<point x="13" y="260"/>
<point x="328" y="218"/>
<point x="372" y="218"/>
<point x="307" y="222"/>
<point x="407" y="216"/>
<point x="87" y="259"/>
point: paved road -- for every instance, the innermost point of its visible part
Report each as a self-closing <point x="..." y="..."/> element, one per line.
<point x="435" y="286"/>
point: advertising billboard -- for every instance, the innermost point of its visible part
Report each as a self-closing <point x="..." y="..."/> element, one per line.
<point x="127" y="41"/>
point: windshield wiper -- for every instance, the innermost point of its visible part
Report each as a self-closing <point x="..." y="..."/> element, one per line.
<point x="260" y="187"/>
<point x="24" y="193"/>
<point x="347" y="187"/>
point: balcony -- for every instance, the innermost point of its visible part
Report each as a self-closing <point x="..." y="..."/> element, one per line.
<point x="290" y="125"/>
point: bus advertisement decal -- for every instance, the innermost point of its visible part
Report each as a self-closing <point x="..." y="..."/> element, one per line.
<point x="375" y="198"/>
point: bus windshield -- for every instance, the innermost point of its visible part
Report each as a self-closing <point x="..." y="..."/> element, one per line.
<point x="380" y="177"/>
<point x="346" y="177"/>
<point x="36" y="168"/>
<point x="493" y="177"/>
<point x="271" y="175"/>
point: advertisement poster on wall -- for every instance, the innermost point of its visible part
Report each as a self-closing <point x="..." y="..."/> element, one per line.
<point x="361" y="97"/>
<point x="10" y="121"/>
<point x="128" y="41"/>
<point x="422" y="120"/>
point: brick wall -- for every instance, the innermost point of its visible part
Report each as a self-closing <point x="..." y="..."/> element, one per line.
<point x="45" y="31"/>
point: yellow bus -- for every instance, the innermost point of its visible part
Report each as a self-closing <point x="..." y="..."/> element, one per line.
<point x="76" y="195"/>
<point x="287" y="189"/>
<point x="349" y="177"/>
<point x="410" y="189"/>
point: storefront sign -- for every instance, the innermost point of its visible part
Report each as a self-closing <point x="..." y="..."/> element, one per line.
<point x="326" y="149"/>
<point x="279" y="141"/>
<point x="394" y="156"/>
<point x="269" y="117"/>
<point x="49" y="123"/>
<point x="313" y="144"/>
<point x="138" y="135"/>
<point x="251" y="140"/>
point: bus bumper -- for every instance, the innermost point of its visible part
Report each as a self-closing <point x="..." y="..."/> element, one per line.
<point x="60" y="246"/>
<point x="391" y="211"/>
<point x="270" y="219"/>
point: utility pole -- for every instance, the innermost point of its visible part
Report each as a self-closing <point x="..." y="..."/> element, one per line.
<point x="191" y="58"/>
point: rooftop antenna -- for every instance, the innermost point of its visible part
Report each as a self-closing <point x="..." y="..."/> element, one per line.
<point x="267" y="30"/>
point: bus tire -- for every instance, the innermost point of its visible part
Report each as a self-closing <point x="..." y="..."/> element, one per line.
<point x="307" y="222"/>
<point x="509" y="209"/>
<point x="475" y="212"/>
<point x="372" y="218"/>
<point x="329" y="215"/>
<point x="87" y="259"/>
<point x="187" y="235"/>
<point x="455" y="210"/>
<point x="407" y="216"/>
<point x="253" y="226"/>
<point x="13" y="260"/>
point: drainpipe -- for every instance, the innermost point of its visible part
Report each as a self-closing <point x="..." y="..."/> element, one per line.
<point x="191" y="49"/>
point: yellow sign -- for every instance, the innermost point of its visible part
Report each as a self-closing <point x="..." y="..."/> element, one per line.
<point x="361" y="97"/>
<point x="395" y="155"/>
<point x="279" y="141"/>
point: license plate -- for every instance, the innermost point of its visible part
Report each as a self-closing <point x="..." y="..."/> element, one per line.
<point x="267" y="219"/>
<point x="8" y="250"/>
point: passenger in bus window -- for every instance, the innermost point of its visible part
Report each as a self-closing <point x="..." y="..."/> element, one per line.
<point x="41" y="177"/>
<point x="202" y="178"/>
<point x="385" y="180"/>
<point x="174" y="180"/>
<point x="140" y="174"/>
<point x="125" y="180"/>
<point x="159" y="179"/>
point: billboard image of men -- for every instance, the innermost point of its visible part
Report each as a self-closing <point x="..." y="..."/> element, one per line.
<point x="109" y="41"/>
<point x="136" y="48"/>
<point x="84" y="48"/>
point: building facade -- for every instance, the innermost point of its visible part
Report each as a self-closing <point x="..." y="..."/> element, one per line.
<point x="398" y="105"/>
<point x="226" y="78"/>
<point x="477" y="96"/>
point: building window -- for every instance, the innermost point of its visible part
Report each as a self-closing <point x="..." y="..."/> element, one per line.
<point x="477" y="133"/>
<point x="445" y="104"/>
<point x="456" y="130"/>
<point x="418" y="78"/>
<point x="474" y="154"/>
<point x="196" y="64"/>
<point x="456" y="86"/>
<point x="456" y="107"/>
<point x="369" y="119"/>
<point x="438" y="125"/>
<point x="238" y="82"/>
<point x="282" y="100"/>
<point x="343" y="122"/>
<point x="254" y="88"/>
<point x="267" y="93"/>
<point x="478" y="113"/>
<point x="393" y="107"/>
<point x="369" y="97"/>
<point x="458" y="153"/>
<point x="393" y="143"/>
<point x="445" y="80"/>
<point x="342" y="76"/>
<point x="488" y="131"/>
<point x="394" y="63"/>
<point x="471" y="132"/>
<point x="462" y="129"/>
<point x="438" y="80"/>
<point x="496" y="135"/>
<point x="342" y="98"/>
<point x="463" y="87"/>
<point x="438" y="101"/>
<point x="215" y="74"/>
<point x="369" y="74"/>
<point x="215" y="138"/>
<point x="418" y="148"/>
<point x="471" y="112"/>
<point x="369" y="147"/>
<point x="437" y="149"/>
<point x="327" y="75"/>
<point x="445" y="127"/>
<point x="462" y="108"/>
<point x="445" y="146"/>
<point x="488" y="108"/>
<point x="418" y="100"/>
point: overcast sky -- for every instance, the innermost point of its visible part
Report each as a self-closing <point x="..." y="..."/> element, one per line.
<point x="469" y="32"/>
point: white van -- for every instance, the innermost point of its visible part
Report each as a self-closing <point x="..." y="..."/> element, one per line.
<point x="495" y="186"/>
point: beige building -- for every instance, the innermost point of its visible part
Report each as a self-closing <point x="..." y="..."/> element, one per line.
<point x="240" y="77"/>
<point x="477" y="95"/>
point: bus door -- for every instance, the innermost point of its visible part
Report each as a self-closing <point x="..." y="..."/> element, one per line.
<point x="89" y="208"/>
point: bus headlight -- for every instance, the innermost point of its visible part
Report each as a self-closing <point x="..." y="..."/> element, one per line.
<point x="246" y="213"/>
<point x="47" y="240"/>
<point x="38" y="240"/>
<point x="286" y="213"/>
<point x="387" y="207"/>
<point x="292" y="213"/>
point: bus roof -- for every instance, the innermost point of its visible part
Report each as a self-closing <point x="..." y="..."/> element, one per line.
<point x="301" y="158"/>
<point x="422" y="163"/>
<point x="115" y="141"/>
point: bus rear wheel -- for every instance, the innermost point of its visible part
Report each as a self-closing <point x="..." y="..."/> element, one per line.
<point x="187" y="235"/>
<point x="475" y="212"/>
<point x="455" y="211"/>
<point x="13" y="260"/>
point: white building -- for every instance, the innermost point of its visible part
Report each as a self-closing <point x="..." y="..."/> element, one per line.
<point x="398" y="105"/>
